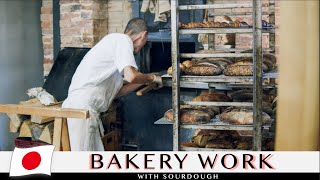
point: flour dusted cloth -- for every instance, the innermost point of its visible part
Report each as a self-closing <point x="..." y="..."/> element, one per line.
<point x="44" y="97"/>
<point x="94" y="86"/>
<point x="161" y="9"/>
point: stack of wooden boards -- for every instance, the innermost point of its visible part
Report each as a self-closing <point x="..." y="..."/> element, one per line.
<point x="34" y="127"/>
<point x="225" y="140"/>
<point x="232" y="115"/>
<point x="226" y="66"/>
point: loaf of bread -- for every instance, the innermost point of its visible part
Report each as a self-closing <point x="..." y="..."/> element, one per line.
<point x="269" y="60"/>
<point x="246" y="95"/>
<point x="204" y="69"/>
<point x="202" y="140"/>
<point x="212" y="97"/>
<point x="211" y="110"/>
<point x="212" y="24"/>
<point x="222" y="63"/>
<point x="188" y="144"/>
<point x="210" y="51"/>
<point x="219" y="134"/>
<point x="245" y="143"/>
<point x="189" y="116"/>
<point x="220" y="144"/>
<point x="182" y="69"/>
<point x="222" y="137"/>
<point x="242" y="116"/>
<point x="188" y="63"/>
<point x="241" y="68"/>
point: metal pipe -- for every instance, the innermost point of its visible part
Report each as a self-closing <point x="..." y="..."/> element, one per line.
<point x="175" y="72"/>
<point x="257" y="73"/>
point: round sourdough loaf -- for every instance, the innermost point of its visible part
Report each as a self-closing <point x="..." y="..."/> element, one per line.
<point x="204" y="69"/>
<point x="189" y="116"/>
<point x="182" y="69"/>
<point x="220" y="144"/>
<point x="212" y="97"/>
<point x="241" y="115"/>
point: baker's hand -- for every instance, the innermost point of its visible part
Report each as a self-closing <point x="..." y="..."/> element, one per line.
<point x="158" y="80"/>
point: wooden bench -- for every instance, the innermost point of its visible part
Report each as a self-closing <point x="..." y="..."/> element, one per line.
<point x="60" y="133"/>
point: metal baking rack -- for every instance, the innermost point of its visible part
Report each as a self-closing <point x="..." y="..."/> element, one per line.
<point x="256" y="81"/>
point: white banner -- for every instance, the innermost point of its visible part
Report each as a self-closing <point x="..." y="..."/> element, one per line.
<point x="178" y="162"/>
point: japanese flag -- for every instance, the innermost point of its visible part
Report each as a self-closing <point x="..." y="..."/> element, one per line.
<point x="36" y="160"/>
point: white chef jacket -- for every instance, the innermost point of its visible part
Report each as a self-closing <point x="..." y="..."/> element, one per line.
<point x="94" y="86"/>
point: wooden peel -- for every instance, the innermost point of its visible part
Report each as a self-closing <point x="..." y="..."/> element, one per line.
<point x="146" y="89"/>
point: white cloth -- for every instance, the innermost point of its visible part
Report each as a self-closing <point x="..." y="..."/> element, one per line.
<point x="94" y="86"/>
<point x="161" y="9"/>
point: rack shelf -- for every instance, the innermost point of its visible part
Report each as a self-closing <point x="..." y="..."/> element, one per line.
<point x="214" y="124"/>
<point x="221" y="86"/>
<point x="196" y="55"/>
<point x="224" y="79"/>
<point x="202" y="103"/>
<point x="222" y="30"/>
<point x="270" y="12"/>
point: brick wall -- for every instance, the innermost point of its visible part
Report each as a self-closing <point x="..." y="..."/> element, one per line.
<point x="119" y="12"/>
<point x="83" y="23"/>
<point x="47" y="35"/>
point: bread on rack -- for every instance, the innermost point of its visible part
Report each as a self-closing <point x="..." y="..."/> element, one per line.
<point x="212" y="97"/>
<point x="244" y="24"/>
<point x="204" y="137"/>
<point x="219" y="134"/>
<point x="239" y="69"/>
<point x="221" y="62"/>
<point x="189" y="116"/>
<point x="241" y="115"/>
<point x="245" y="143"/>
<point x="211" y="110"/>
<point x="215" y="24"/>
<point x="182" y="69"/>
<point x="219" y="144"/>
<point x="203" y="69"/>
<point x="210" y="51"/>
<point x="235" y="24"/>
<point x="201" y="140"/>
<point x="246" y="95"/>
<point x="188" y="63"/>
<point x="269" y="60"/>
<point x="188" y="144"/>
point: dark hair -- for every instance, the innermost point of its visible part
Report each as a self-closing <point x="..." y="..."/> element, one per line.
<point x="135" y="26"/>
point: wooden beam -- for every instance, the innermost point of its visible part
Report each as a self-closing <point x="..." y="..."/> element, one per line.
<point x="44" y="111"/>
<point x="65" y="136"/>
<point x="57" y="132"/>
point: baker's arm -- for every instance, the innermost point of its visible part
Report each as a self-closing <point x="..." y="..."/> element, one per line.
<point x="127" y="88"/>
<point x="133" y="76"/>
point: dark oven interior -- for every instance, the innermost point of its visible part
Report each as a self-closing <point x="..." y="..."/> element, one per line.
<point x="138" y="114"/>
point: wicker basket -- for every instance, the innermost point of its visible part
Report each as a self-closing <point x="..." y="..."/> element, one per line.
<point x="27" y="143"/>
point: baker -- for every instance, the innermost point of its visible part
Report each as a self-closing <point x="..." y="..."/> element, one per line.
<point x="98" y="80"/>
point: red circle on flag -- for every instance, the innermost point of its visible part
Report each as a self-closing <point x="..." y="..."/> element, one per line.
<point x="31" y="160"/>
